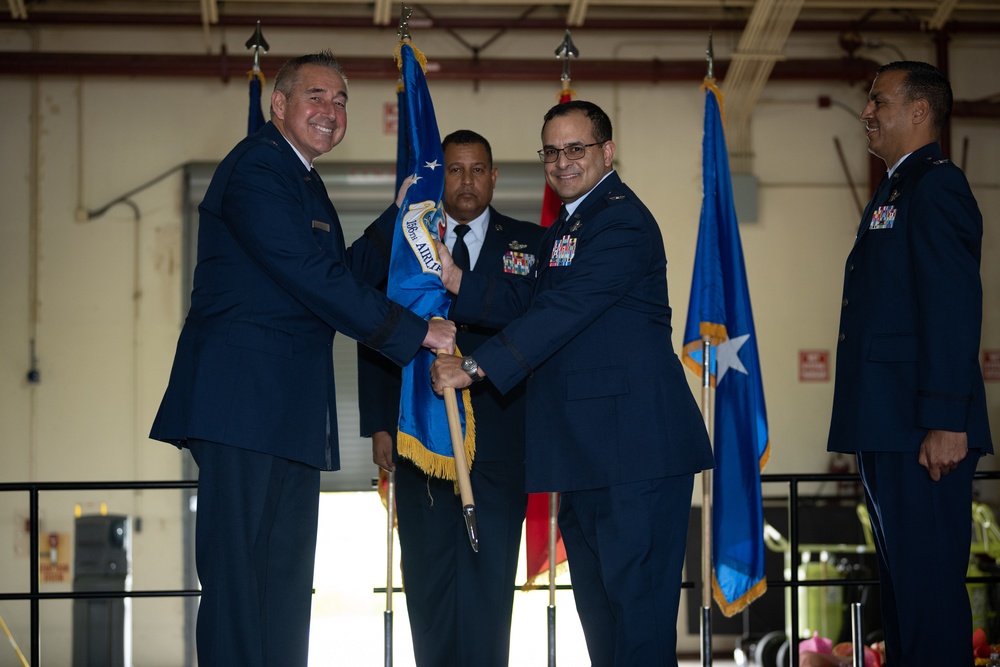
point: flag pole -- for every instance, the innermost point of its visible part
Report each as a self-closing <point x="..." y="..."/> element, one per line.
<point x="706" y="511"/>
<point x="551" y="612"/>
<point x="390" y="521"/>
<point x="706" y="475"/>
<point x="566" y="51"/>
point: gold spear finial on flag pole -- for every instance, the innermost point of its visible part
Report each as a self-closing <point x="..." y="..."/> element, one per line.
<point x="404" y="23"/>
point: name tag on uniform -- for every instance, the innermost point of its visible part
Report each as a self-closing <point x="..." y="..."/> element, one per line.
<point x="883" y="218"/>
<point x="518" y="263"/>
<point x="563" y="251"/>
<point x="322" y="226"/>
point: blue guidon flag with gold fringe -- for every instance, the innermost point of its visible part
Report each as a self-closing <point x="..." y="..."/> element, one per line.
<point x="720" y="309"/>
<point x="415" y="277"/>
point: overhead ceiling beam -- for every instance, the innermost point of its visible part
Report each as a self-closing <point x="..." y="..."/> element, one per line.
<point x="942" y="14"/>
<point x="17" y="9"/>
<point x="382" y="12"/>
<point x="761" y="46"/>
<point x="577" y="13"/>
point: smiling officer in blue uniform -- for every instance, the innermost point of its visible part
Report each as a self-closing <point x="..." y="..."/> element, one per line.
<point x="611" y="422"/>
<point x="251" y="392"/>
<point x="909" y="396"/>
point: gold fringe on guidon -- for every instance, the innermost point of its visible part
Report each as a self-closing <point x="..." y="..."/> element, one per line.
<point x="736" y="606"/>
<point x="397" y="54"/>
<point x="438" y="465"/>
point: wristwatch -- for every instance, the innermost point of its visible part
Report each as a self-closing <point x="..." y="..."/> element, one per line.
<point x="470" y="366"/>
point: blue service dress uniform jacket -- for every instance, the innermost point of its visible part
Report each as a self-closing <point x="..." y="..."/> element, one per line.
<point x="273" y="283"/>
<point x="908" y="349"/>
<point x="607" y="400"/>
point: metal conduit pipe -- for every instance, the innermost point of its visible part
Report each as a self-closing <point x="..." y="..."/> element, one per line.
<point x="849" y="70"/>
<point x="224" y="67"/>
<point x="558" y="24"/>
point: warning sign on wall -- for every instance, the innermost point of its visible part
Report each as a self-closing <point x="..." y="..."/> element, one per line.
<point x="390" y="118"/>
<point x="814" y="365"/>
<point x="54" y="558"/>
<point x="991" y="365"/>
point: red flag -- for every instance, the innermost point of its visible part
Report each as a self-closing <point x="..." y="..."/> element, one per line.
<point x="536" y="521"/>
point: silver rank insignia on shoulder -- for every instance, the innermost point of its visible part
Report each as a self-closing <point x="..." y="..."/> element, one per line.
<point x="942" y="161"/>
<point x="515" y="245"/>
<point x="894" y="195"/>
<point x="616" y="197"/>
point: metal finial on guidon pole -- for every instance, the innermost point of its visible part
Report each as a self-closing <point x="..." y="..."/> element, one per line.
<point x="565" y="52"/>
<point x="257" y="43"/>
<point x="403" y="32"/>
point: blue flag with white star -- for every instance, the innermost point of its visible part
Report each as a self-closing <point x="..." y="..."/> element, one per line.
<point x="415" y="277"/>
<point x="720" y="309"/>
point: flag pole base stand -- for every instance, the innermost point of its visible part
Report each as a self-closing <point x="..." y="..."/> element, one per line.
<point x="706" y="636"/>
<point x="387" y="618"/>
<point x="552" y="635"/>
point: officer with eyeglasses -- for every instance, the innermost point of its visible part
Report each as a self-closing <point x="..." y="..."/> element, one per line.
<point x="611" y="422"/>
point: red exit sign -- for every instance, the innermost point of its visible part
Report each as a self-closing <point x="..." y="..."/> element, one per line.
<point x="814" y="365"/>
<point x="991" y="365"/>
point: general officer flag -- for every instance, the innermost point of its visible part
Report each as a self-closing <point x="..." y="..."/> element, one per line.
<point x="415" y="277"/>
<point x="720" y="309"/>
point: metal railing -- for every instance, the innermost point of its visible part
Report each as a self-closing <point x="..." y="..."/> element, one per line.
<point x="794" y="481"/>
<point x="35" y="596"/>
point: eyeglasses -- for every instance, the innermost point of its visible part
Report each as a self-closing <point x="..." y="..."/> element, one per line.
<point x="572" y="152"/>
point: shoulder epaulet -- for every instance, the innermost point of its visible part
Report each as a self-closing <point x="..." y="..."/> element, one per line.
<point x="614" y="196"/>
